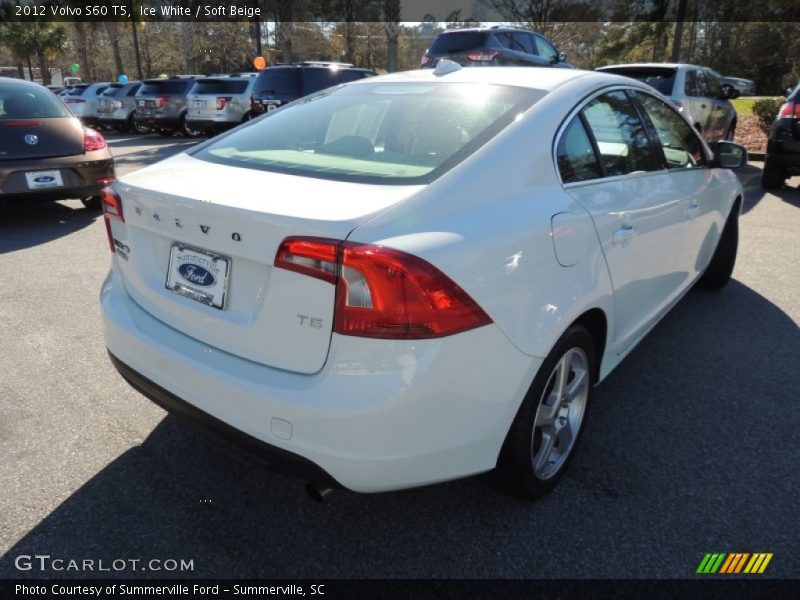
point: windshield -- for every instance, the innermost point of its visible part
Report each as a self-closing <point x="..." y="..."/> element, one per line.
<point x="400" y="133"/>
<point x="29" y="102"/>
<point x="220" y="86"/>
<point x="663" y="79"/>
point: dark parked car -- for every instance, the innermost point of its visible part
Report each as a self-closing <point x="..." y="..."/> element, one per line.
<point x="161" y="105"/>
<point x="783" y="146"/>
<point x="45" y="152"/>
<point x="494" y="46"/>
<point x="281" y="84"/>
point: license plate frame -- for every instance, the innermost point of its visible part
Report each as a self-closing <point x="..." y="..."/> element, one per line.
<point x="54" y="175"/>
<point x="188" y="271"/>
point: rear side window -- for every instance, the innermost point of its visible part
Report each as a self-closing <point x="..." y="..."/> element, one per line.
<point x="454" y="43"/>
<point x="692" y="86"/>
<point x="278" y="81"/>
<point x="29" y="102"/>
<point x="511" y="41"/>
<point x="681" y="145"/>
<point x="620" y="135"/>
<point x="662" y="79"/>
<point x="165" y="87"/>
<point x="220" y="86"/>
<point x="100" y="90"/>
<point x="576" y="158"/>
<point x="133" y="90"/>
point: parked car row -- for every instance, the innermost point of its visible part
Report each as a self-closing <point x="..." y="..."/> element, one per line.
<point x="194" y="104"/>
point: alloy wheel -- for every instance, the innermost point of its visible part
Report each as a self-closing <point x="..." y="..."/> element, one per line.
<point x="560" y="413"/>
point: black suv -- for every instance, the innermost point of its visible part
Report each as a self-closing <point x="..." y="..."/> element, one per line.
<point x="280" y="84"/>
<point x="783" y="147"/>
<point x="494" y="46"/>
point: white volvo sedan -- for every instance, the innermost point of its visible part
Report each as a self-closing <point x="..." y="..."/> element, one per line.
<point x="416" y="277"/>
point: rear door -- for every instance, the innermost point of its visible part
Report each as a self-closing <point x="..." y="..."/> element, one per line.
<point x="610" y="166"/>
<point x="700" y="107"/>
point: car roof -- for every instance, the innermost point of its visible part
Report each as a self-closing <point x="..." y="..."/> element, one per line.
<point x="4" y="79"/>
<point x="494" y="28"/>
<point x="540" y="78"/>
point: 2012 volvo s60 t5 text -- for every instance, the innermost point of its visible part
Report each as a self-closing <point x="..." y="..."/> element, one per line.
<point x="416" y="277"/>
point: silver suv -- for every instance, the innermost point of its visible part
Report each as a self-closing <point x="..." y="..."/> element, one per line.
<point x="161" y="105"/>
<point x="82" y="100"/>
<point x="219" y="103"/>
<point x="116" y="106"/>
<point x="693" y="90"/>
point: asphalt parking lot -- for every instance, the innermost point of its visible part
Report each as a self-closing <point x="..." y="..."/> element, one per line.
<point x="691" y="447"/>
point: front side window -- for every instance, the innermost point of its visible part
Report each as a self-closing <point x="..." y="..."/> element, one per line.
<point x="693" y="87"/>
<point x="575" y="154"/>
<point x="545" y="49"/>
<point x="398" y="133"/>
<point x="680" y="143"/>
<point x="620" y="135"/>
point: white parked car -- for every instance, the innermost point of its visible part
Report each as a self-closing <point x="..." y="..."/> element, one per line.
<point x="416" y="277"/>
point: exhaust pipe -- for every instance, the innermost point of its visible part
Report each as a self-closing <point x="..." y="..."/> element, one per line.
<point x="318" y="494"/>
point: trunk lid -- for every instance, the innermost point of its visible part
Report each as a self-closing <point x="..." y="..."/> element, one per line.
<point x="40" y="138"/>
<point x="270" y="316"/>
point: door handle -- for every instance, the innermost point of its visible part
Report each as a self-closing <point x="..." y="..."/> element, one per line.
<point x="693" y="210"/>
<point x="623" y="234"/>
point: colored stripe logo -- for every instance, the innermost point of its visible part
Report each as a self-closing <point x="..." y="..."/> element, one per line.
<point x="734" y="562"/>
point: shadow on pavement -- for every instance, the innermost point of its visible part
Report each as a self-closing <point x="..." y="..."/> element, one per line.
<point x="27" y="225"/>
<point x="694" y="432"/>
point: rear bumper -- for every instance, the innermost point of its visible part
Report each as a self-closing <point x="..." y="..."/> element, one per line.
<point x="379" y="416"/>
<point x="211" y="124"/>
<point x="158" y="121"/>
<point x="80" y="175"/>
<point x="275" y="458"/>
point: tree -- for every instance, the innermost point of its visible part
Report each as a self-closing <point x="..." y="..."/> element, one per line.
<point x="391" y="22"/>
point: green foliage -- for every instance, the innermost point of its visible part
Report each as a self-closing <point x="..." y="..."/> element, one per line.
<point x="766" y="110"/>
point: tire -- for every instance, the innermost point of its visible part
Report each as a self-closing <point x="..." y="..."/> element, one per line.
<point x="186" y="130"/>
<point x="138" y="127"/>
<point x="91" y="203"/>
<point x="772" y="177"/>
<point x="718" y="273"/>
<point x="526" y="468"/>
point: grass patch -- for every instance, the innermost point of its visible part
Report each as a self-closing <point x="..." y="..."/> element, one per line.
<point x="744" y="106"/>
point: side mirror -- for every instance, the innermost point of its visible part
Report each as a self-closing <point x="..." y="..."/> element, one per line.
<point x="561" y="57"/>
<point x="729" y="92"/>
<point x="728" y="155"/>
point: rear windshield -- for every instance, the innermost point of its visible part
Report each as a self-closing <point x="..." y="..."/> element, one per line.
<point x="453" y="43"/>
<point x="113" y="89"/>
<point x="390" y="133"/>
<point x="220" y="86"/>
<point x="165" y="87"/>
<point x="278" y="81"/>
<point x="29" y="102"/>
<point x="661" y="78"/>
<point x="76" y="90"/>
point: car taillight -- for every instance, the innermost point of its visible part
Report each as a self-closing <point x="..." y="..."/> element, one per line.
<point x="424" y="60"/>
<point x="222" y="101"/>
<point x="789" y="110"/>
<point x="381" y="292"/>
<point x="482" y="55"/>
<point x="112" y="211"/>
<point x="92" y="140"/>
<point x="161" y="101"/>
